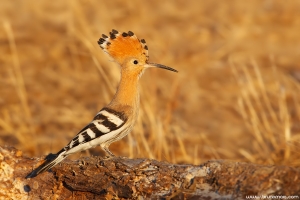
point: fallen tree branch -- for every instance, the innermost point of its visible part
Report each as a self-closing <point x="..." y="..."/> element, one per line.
<point x="93" y="178"/>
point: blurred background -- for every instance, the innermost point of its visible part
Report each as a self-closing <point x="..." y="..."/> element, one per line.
<point x="236" y="96"/>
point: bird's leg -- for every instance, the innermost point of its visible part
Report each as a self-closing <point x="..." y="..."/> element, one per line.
<point x="109" y="154"/>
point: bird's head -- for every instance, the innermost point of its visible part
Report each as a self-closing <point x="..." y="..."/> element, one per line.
<point x="129" y="52"/>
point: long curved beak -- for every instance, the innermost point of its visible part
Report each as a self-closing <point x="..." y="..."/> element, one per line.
<point x="161" y="66"/>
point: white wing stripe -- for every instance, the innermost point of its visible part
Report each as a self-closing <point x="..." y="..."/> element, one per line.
<point x="71" y="144"/>
<point x="101" y="127"/>
<point x="80" y="138"/>
<point x="91" y="133"/>
<point x="112" y="118"/>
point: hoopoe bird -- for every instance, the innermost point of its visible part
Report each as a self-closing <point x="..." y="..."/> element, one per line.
<point x="116" y="120"/>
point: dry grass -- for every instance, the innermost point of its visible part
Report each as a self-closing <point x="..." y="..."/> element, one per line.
<point x="237" y="95"/>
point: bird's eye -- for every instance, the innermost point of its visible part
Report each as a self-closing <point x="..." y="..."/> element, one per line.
<point x="135" y="62"/>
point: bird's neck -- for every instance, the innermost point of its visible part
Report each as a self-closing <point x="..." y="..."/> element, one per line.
<point x="127" y="92"/>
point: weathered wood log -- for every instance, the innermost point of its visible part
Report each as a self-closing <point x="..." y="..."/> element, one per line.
<point x="94" y="178"/>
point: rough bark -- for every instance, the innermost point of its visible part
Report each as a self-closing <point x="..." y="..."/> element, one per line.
<point x="123" y="178"/>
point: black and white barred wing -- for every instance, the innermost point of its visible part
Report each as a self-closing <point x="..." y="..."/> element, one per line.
<point x="107" y="126"/>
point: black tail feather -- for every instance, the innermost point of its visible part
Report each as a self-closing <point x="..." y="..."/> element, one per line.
<point x="45" y="166"/>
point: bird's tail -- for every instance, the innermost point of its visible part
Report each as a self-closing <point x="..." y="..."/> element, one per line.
<point x="50" y="161"/>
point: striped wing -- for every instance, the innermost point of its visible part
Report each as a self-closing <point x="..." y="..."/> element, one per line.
<point x="105" y="122"/>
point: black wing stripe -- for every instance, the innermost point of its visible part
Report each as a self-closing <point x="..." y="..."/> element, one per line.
<point x="96" y="130"/>
<point x="99" y="116"/>
<point x="86" y="136"/>
<point x="86" y="127"/>
<point x="74" y="142"/>
<point x="110" y="125"/>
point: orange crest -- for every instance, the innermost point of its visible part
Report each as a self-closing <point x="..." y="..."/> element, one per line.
<point x="121" y="46"/>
